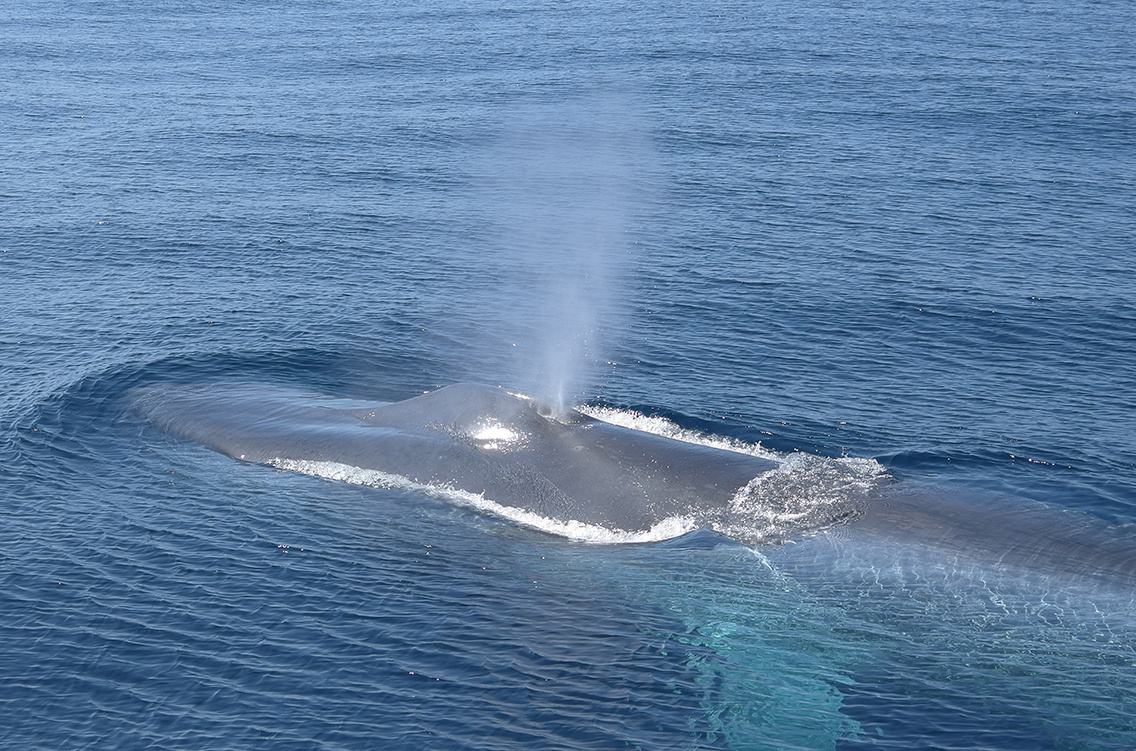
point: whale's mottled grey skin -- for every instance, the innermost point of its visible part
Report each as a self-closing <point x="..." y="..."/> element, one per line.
<point x="570" y="467"/>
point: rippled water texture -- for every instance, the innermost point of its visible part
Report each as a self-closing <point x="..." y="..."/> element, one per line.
<point x="888" y="245"/>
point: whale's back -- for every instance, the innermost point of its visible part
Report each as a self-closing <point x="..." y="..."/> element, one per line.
<point x="479" y="439"/>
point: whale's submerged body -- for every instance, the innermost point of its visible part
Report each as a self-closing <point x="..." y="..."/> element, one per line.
<point x="571" y="467"/>
<point x="478" y="439"/>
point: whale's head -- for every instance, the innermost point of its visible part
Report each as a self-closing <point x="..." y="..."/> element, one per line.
<point x="488" y="417"/>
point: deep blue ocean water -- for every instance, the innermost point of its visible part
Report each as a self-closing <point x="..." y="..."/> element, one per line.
<point x="886" y="231"/>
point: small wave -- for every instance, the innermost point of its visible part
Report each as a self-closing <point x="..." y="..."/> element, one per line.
<point x="570" y="529"/>
<point x="627" y="418"/>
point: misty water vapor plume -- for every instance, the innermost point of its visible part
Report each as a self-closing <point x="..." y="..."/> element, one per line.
<point x="564" y="185"/>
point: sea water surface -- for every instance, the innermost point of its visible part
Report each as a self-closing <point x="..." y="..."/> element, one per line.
<point x="887" y="243"/>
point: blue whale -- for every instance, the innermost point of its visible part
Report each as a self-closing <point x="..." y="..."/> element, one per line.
<point x="478" y="439"/>
<point x="489" y="442"/>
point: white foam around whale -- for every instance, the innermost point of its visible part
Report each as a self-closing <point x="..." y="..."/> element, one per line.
<point x="802" y="494"/>
<point x="571" y="529"/>
<point x="626" y="418"/>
